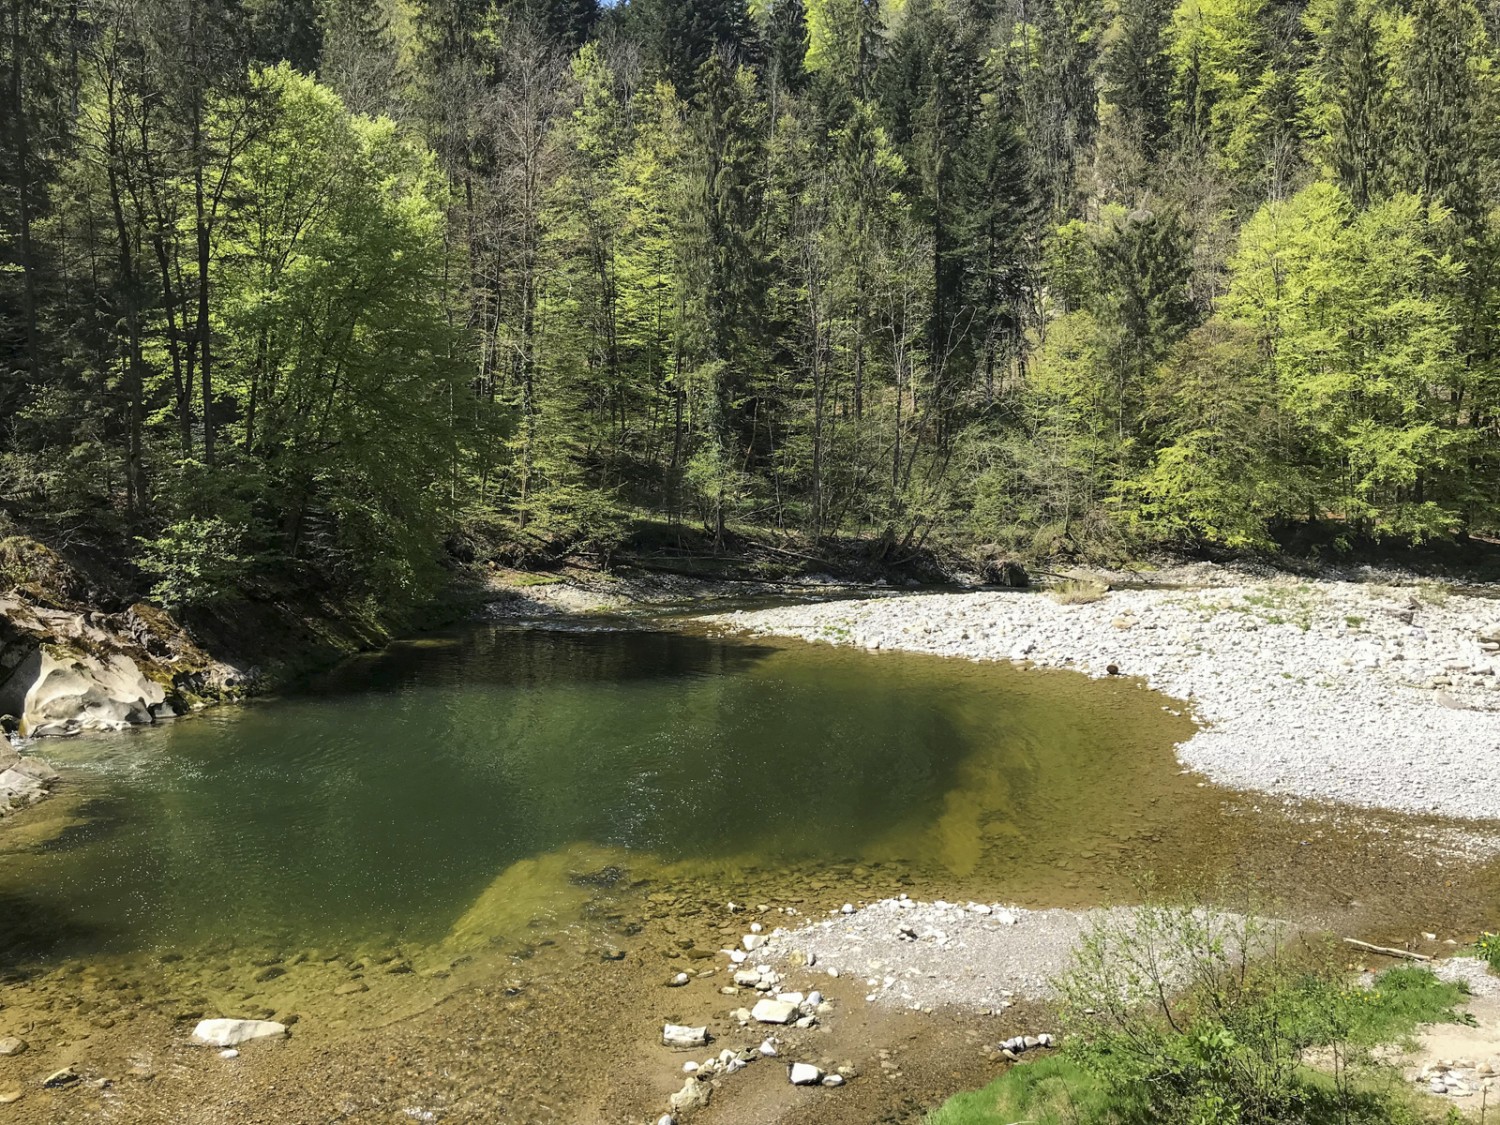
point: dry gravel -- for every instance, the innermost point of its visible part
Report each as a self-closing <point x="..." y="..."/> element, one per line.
<point x="913" y="954"/>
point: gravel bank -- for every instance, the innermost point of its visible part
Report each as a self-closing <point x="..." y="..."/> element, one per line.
<point x="927" y="954"/>
<point x="1381" y="694"/>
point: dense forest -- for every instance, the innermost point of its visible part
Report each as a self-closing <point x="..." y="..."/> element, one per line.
<point x="320" y="286"/>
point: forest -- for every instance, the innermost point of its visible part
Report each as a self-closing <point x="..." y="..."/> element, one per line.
<point x="333" y="288"/>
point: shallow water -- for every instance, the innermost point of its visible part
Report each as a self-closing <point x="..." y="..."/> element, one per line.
<point x="380" y="803"/>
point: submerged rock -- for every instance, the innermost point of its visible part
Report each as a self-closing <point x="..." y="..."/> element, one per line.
<point x="10" y="1046"/>
<point x="23" y="781"/>
<point x="231" y="1033"/>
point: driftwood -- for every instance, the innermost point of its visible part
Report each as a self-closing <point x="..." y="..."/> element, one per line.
<point x="1388" y="952"/>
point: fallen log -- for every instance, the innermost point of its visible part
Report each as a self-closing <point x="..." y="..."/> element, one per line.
<point x="1386" y="950"/>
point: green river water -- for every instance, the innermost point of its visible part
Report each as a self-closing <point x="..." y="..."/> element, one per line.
<point x="381" y="803"/>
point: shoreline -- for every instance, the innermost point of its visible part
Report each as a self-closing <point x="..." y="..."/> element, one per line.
<point x="1379" y="694"/>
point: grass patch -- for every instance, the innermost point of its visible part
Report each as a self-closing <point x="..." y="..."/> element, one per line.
<point x="1078" y="591"/>
<point x="1050" y="1091"/>
<point x="1432" y="592"/>
<point x="1402" y="998"/>
<point x="535" y="580"/>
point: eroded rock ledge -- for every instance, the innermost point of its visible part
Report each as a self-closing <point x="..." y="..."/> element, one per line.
<point x="63" y="671"/>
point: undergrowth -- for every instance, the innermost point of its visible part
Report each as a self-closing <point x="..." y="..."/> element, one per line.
<point x="1180" y="1017"/>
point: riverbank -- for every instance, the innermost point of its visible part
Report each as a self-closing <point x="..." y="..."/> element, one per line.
<point x="1383" y="693"/>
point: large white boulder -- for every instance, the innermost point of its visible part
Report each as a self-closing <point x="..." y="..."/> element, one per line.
<point x="57" y="691"/>
<point x="231" y="1033"/>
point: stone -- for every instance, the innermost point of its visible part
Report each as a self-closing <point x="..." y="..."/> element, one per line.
<point x="833" y="1079"/>
<point x="768" y="1048"/>
<point x="231" y="1033"/>
<point x="676" y="1035"/>
<point x="691" y="1067"/>
<point x="747" y="978"/>
<point x="773" y="1011"/>
<point x="10" y="1046"/>
<point x="678" y="981"/>
<point x="351" y="988"/>
<point x="1044" y="1039"/>
<point x="666" y="1119"/>
<point x="693" y="1095"/>
<point x="229" y="1053"/>
<point x="7" y="1097"/>
<point x="815" y="998"/>
<point x="64" y="1077"/>
<point x="847" y="908"/>
<point x="792" y="998"/>
<point x="804" y="1074"/>
<point x="752" y="942"/>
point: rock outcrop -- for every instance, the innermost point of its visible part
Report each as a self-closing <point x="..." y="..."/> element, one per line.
<point x="65" y="671"/>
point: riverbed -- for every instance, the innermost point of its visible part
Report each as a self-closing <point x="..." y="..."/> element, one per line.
<point x="468" y="871"/>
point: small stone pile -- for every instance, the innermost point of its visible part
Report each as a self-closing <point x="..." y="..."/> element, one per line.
<point x="774" y="1007"/>
<point x="1457" y="1078"/>
<point x="1012" y="1049"/>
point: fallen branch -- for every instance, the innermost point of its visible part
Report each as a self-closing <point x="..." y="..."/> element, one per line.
<point x="1407" y="953"/>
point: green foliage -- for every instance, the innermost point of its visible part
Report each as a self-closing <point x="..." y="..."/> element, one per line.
<point x="1073" y="276"/>
<point x="1209" y="1017"/>
<point x="1189" y="1016"/>
<point x="1360" y="344"/>
<point x="195" y="562"/>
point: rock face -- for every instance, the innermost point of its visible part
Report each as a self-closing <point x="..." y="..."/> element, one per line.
<point x="231" y="1033"/>
<point x="56" y="691"/>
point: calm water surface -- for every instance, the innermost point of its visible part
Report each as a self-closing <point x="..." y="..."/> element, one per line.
<point x="383" y="802"/>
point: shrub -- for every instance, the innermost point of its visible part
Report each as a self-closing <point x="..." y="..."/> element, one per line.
<point x="1186" y="1017"/>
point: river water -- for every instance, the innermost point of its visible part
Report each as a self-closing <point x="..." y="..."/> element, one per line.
<point x="565" y="810"/>
<point x="378" y="804"/>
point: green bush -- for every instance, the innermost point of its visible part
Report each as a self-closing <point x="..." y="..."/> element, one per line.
<point x="1185" y="1017"/>
<point x="195" y="562"/>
